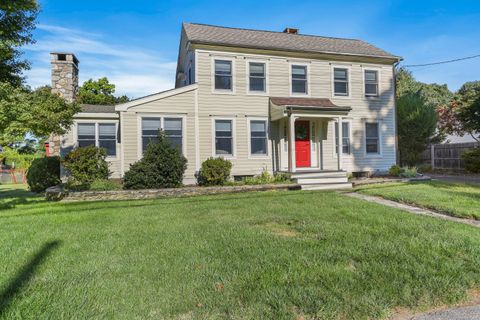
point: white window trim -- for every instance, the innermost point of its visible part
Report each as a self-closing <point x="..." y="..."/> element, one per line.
<point x="379" y="80"/>
<point x="226" y="58"/>
<point x="234" y="139"/>
<point x="96" y="123"/>
<point x="372" y="155"/>
<point x="344" y="155"/>
<point x="309" y="87"/>
<point x="162" y="116"/>
<point x="332" y="79"/>
<point x="247" y="73"/>
<point x="249" y="141"/>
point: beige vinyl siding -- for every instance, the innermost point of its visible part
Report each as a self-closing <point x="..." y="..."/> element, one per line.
<point x="241" y="106"/>
<point x="180" y="105"/>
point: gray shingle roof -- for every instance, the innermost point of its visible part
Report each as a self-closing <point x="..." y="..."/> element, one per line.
<point x="270" y="40"/>
<point x="91" y="108"/>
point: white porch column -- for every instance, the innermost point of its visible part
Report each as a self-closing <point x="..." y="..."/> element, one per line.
<point x="291" y="144"/>
<point x="340" y="144"/>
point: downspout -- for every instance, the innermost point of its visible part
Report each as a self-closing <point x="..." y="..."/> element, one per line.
<point x="397" y="152"/>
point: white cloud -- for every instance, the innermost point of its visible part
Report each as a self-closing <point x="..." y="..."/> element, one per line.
<point x="135" y="71"/>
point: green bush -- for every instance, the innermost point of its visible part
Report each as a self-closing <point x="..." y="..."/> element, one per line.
<point x="410" y="172"/>
<point x="105" y="185"/>
<point x="214" y="172"/>
<point x="162" y="166"/>
<point x="43" y="173"/>
<point x="266" y="178"/>
<point x="86" y="164"/>
<point x="424" y="168"/>
<point x="472" y="160"/>
<point x="395" y="170"/>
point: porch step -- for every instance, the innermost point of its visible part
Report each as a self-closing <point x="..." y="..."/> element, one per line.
<point x="321" y="180"/>
<point x="327" y="186"/>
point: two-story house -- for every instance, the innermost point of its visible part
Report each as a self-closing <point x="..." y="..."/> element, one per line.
<point x="312" y="106"/>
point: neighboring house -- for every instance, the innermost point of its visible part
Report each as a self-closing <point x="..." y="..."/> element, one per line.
<point x="264" y="100"/>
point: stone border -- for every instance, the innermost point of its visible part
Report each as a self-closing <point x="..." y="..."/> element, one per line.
<point x="59" y="193"/>
<point x="357" y="183"/>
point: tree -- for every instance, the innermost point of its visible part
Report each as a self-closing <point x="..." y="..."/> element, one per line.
<point x="38" y="112"/>
<point x="99" y="92"/>
<point x="17" y="20"/>
<point x="417" y="122"/>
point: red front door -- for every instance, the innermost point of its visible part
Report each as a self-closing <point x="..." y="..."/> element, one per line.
<point x="302" y="144"/>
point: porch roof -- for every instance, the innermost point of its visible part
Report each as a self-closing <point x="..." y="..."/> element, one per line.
<point x="283" y="106"/>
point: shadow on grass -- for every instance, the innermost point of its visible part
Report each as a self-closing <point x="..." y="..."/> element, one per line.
<point x="10" y="198"/>
<point x="24" y="275"/>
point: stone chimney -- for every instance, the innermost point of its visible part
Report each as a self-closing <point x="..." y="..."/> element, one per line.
<point x="64" y="83"/>
<point x="65" y="75"/>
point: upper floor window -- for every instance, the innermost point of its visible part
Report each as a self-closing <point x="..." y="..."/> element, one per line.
<point x="172" y="127"/>
<point x="223" y="75"/>
<point x="371" y="83"/>
<point x="258" y="137"/>
<point x="102" y="135"/>
<point x="257" y="77"/>
<point x="345" y="137"/>
<point x="340" y="82"/>
<point x="224" y="137"/>
<point x="372" y="138"/>
<point x="299" y="79"/>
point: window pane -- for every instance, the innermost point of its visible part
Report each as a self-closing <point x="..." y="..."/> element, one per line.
<point x="371" y="130"/>
<point x="370" y="75"/>
<point x="107" y="131"/>
<point x="223" y="125"/>
<point x="257" y="69"/>
<point x="370" y="88"/>
<point x="150" y="126"/>
<point x="223" y="67"/>
<point x="299" y="72"/>
<point x="223" y="145"/>
<point x="259" y="146"/>
<point x="341" y="88"/>
<point x="173" y="131"/>
<point x="223" y="137"/>
<point x="86" y="131"/>
<point x="258" y="137"/>
<point x="258" y="127"/>
<point x="223" y="82"/>
<point x="340" y="74"/>
<point x="299" y="86"/>
<point x="257" y="84"/>
<point x="109" y="145"/>
<point x="85" y="143"/>
<point x="147" y="140"/>
<point x="345" y="137"/>
<point x="372" y="145"/>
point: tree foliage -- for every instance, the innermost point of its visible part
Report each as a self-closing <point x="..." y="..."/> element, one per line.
<point x="17" y="21"/>
<point x="416" y="125"/>
<point x="99" y="92"/>
<point x="36" y="112"/>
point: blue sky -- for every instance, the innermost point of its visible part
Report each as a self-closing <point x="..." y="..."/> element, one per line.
<point x="135" y="43"/>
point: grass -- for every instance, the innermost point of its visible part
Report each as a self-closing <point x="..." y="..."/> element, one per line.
<point x="271" y="255"/>
<point x="459" y="200"/>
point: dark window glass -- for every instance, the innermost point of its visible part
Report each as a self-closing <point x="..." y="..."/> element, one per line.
<point x="223" y="137"/>
<point x="86" y="134"/>
<point x="372" y="137"/>
<point x="258" y="137"/>
<point x="340" y="81"/>
<point x="150" y="130"/>
<point x="257" y="76"/>
<point x="107" y="138"/>
<point x="371" y="82"/>
<point x="223" y="75"/>
<point x="345" y="137"/>
<point x="173" y="131"/>
<point x="299" y="79"/>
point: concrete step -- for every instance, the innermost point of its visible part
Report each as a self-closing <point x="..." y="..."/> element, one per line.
<point x="327" y="186"/>
<point x="319" y="174"/>
<point x="321" y="180"/>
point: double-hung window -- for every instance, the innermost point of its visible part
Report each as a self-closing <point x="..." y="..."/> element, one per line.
<point x="340" y="81"/>
<point x="345" y="137"/>
<point x="257" y="77"/>
<point x="258" y="137"/>
<point x="172" y="127"/>
<point x="223" y="75"/>
<point x="372" y="138"/>
<point x="224" y="137"/>
<point x="102" y="135"/>
<point x="371" y="83"/>
<point x="299" y="79"/>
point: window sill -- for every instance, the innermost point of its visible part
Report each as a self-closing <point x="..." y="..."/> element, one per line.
<point x="341" y="97"/>
<point x="226" y="92"/>
<point x="259" y="157"/>
<point x="257" y="93"/>
<point x="373" y="155"/>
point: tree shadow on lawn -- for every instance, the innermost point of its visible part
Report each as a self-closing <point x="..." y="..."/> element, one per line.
<point x="11" y="198"/>
<point x="23" y="276"/>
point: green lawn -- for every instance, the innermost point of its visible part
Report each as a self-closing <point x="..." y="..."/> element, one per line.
<point x="460" y="200"/>
<point x="272" y="255"/>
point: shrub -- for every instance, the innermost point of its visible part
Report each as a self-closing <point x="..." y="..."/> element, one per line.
<point x="86" y="164"/>
<point x="105" y="185"/>
<point x="162" y="166"/>
<point x="410" y="172"/>
<point x="43" y="173"/>
<point x="266" y="178"/>
<point x="214" y="172"/>
<point x="424" y="168"/>
<point x="395" y="170"/>
<point x="472" y="160"/>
